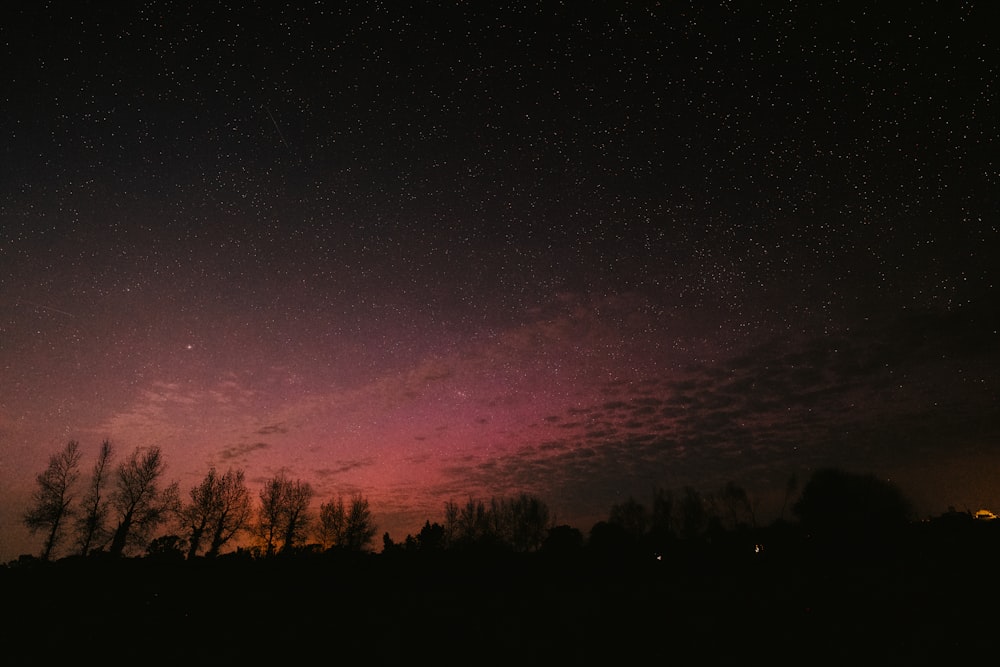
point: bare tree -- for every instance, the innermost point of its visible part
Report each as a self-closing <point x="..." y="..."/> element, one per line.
<point x="661" y="520"/>
<point x="332" y="523"/>
<point x="738" y="506"/>
<point x="91" y="529"/>
<point x="468" y="524"/>
<point x="694" y="515"/>
<point x="523" y="521"/>
<point x="283" y="516"/>
<point x="219" y="509"/>
<point x="361" y="527"/>
<point x="50" y="506"/>
<point x="196" y="516"/>
<point x="139" y="502"/>
<point x="234" y="513"/>
<point x="350" y="528"/>
<point x="520" y="523"/>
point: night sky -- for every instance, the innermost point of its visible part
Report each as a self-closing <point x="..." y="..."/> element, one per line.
<point x="428" y="251"/>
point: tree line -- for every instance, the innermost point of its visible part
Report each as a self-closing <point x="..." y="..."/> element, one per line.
<point x="121" y="507"/>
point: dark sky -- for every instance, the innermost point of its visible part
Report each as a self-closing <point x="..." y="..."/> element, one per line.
<point x="578" y="249"/>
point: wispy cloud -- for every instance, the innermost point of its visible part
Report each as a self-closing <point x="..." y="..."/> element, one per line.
<point x="242" y="451"/>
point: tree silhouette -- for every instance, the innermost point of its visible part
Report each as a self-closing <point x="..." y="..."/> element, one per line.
<point x="610" y="540"/>
<point x="332" y="523"/>
<point x="283" y="515"/>
<point x="468" y="524"/>
<point x="661" y="520"/>
<point x="220" y="508"/>
<point x="351" y="529"/>
<point x="838" y="504"/>
<point x="738" y="506"/>
<point x="519" y="523"/>
<point x="632" y="517"/>
<point x="166" y="547"/>
<point x="694" y="515"/>
<point x="360" y="525"/>
<point x="431" y="537"/>
<point x="91" y="528"/>
<point x="139" y="502"/>
<point x="235" y="511"/>
<point x="791" y="486"/>
<point x="563" y="540"/>
<point x="50" y="506"/>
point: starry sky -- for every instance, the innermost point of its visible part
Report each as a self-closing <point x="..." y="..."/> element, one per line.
<point x="422" y="251"/>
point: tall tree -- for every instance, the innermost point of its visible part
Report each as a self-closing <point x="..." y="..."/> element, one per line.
<point x="201" y="511"/>
<point x="738" y="506"/>
<point x="519" y="523"/>
<point x="138" y="500"/>
<point x="467" y="524"/>
<point x="283" y="515"/>
<point x="332" y="523"/>
<point x="235" y="511"/>
<point x="91" y="523"/>
<point x="50" y="506"/>
<point x="526" y="520"/>
<point x="694" y="515"/>
<point x="361" y="527"/>
<point x="661" y="520"/>
<point x="220" y="508"/>
<point x="349" y="527"/>
<point x="632" y="517"/>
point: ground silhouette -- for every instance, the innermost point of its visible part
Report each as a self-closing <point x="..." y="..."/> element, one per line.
<point x="927" y="595"/>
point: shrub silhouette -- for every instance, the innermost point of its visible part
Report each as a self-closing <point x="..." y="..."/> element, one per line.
<point x="840" y="505"/>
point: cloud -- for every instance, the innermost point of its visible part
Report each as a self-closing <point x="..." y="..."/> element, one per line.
<point x="865" y="398"/>
<point x="343" y="467"/>
<point x="241" y="451"/>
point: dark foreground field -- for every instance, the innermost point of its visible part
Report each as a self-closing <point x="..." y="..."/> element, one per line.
<point x="919" y="602"/>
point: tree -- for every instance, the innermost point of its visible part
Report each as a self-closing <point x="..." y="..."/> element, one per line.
<point x="468" y="524"/>
<point x="632" y="517"/>
<point x="220" y="507"/>
<point x="563" y="540"/>
<point x="234" y="513"/>
<point x="523" y="521"/>
<point x="51" y="501"/>
<point x="360" y="525"/>
<point x="332" y="523"/>
<point x="283" y="515"/>
<point x="661" y="520"/>
<point x="167" y="548"/>
<point x="791" y="486"/>
<point x="431" y="537"/>
<point x="351" y="529"/>
<point x="139" y="502"/>
<point x="91" y="528"/>
<point x="837" y="504"/>
<point x="694" y="516"/>
<point x="739" y="508"/>
<point x="519" y="523"/>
